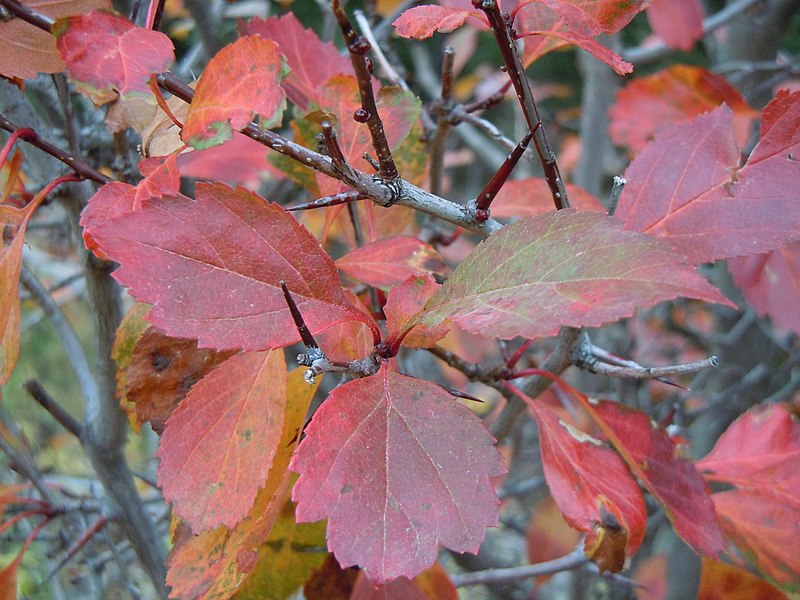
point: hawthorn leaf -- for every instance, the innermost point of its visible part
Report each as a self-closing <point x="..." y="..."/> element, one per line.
<point x="685" y="187"/>
<point x="219" y="443"/>
<point x="240" y="83"/>
<point x="532" y="196"/>
<point x="215" y="563"/>
<point x="291" y="553"/>
<point x="331" y="582"/>
<point x="435" y="583"/>
<point x="591" y="485"/>
<point x="401" y="588"/>
<point x="673" y="95"/>
<point x="672" y="479"/>
<point x="723" y="581"/>
<point x="26" y="50"/>
<point x="397" y="466"/>
<point x="239" y="161"/>
<point x="389" y="261"/>
<point x="679" y="23"/>
<point x="421" y="22"/>
<point x="302" y="49"/>
<point x="108" y="56"/>
<point x="758" y="454"/>
<point x="771" y="283"/>
<point x="14" y="222"/>
<point x="561" y="268"/>
<point x="161" y="372"/>
<point x="213" y="266"/>
<point x="402" y="304"/>
<point x="130" y="329"/>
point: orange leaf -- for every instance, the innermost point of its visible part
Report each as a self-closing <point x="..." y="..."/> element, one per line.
<point x="721" y="581"/>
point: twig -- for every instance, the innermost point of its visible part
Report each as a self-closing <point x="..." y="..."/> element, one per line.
<point x="366" y="30"/>
<point x="565" y="563"/>
<point x="501" y="28"/>
<point x="338" y="159"/>
<point x="593" y="365"/>
<point x="647" y="54"/>
<point x="81" y="168"/>
<point x="326" y="201"/>
<point x="38" y="393"/>
<point x="442" y="107"/>
<point x="489" y="193"/>
<point x="358" y="47"/>
<point x="616" y="192"/>
<point x="558" y="361"/>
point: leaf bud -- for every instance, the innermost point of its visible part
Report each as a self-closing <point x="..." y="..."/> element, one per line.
<point x="360" y="46"/>
<point x="361" y="115"/>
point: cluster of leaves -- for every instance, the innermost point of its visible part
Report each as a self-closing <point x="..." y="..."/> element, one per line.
<point x="394" y="463"/>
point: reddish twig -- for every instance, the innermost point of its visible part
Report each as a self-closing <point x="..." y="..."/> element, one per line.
<point x="489" y="193"/>
<point x="501" y="27"/>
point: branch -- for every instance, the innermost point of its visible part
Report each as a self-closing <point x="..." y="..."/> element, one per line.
<point x="66" y="420"/>
<point x="501" y="27"/>
<point x="565" y="563"/>
<point x="442" y="107"/>
<point x="358" y="47"/>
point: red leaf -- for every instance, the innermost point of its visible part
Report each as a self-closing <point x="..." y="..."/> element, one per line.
<point x="671" y="479"/>
<point x="421" y="22"/>
<point x="240" y="83"/>
<point x="673" y="95"/>
<point x="685" y="187"/>
<point x="212" y="267"/>
<point x="108" y="56"/>
<point x="116" y="198"/>
<point x="397" y="467"/>
<point x="302" y="49"/>
<point x="679" y="23"/>
<point x="531" y="196"/>
<point x="562" y="268"/>
<point x="239" y="161"/>
<point x="26" y="50"/>
<point x="219" y="443"/>
<point x="589" y="481"/>
<point x="401" y="588"/>
<point x="210" y="565"/>
<point x="759" y="454"/>
<point x="389" y="261"/>
<point x="721" y="581"/>
<point x="771" y="283"/>
<point x="403" y="304"/>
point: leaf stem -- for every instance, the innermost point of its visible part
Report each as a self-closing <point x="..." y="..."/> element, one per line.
<point x="358" y="47"/>
<point x="501" y="28"/>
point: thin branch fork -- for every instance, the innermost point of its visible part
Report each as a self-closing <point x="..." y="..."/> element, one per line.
<point x="358" y="47"/>
<point x="501" y="27"/>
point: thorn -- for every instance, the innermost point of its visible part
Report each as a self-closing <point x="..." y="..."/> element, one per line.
<point x="460" y="394"/>
<point x="302" y="329"/>
<point x="326" y="201"/>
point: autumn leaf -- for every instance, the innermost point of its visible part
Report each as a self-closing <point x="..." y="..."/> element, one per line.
<point x="240" y="83"/>
<point x="14" y="222"/>
<point x="108" y="56"/>
<point x="673" y="95"/>
<point x="686" y="187"/>
<point x="771" y="283"/>
<point x="758" y="454"/>
<point x="25" y="50"/>
<point x="302" y="49"/>
<point x="161" y="372"/>
<point x="291" y="553"/>
<point x="397" y="466"/>
<point x="592" y="488"/>
<point x="389" y="261"/>
<point x="722" y="581"/>
<point x="562" y="268"/>
<point x="236" y="247"/>
<point x="532" y="196"/>
<point x="219" y="443"/>
<point x="421" y="22"/>
<point x="402" y="304"/>
<point x="672" y="479"/>
<point x="401" y="588"/>
<point x="215" y="563"/>
<point x="548" y="535"/>
<point x="679" y="23"/>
